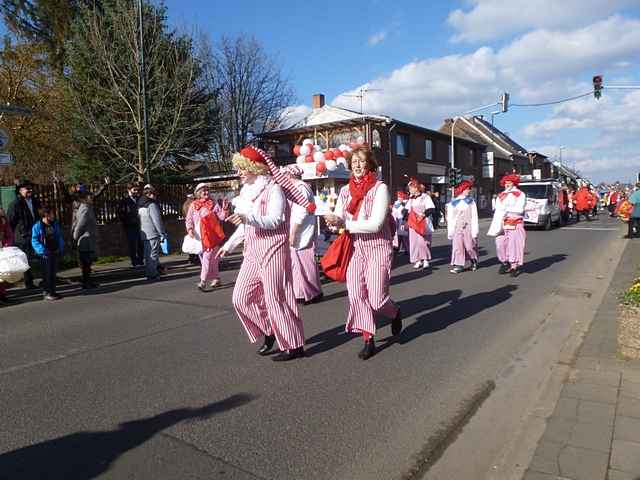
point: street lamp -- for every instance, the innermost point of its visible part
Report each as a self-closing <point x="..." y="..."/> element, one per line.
<point x="143" y="87"/>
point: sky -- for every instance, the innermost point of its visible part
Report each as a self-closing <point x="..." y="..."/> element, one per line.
<point x="424" y="61"/>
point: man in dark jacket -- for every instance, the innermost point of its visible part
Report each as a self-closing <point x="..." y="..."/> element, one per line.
<point x="128" y="213"/>
<point x="23" y="214"/>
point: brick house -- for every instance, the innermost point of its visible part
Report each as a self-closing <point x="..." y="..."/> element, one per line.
<point x="402" y="149"/>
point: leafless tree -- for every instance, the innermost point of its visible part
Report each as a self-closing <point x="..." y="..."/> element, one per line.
<point x="252" y="91"/>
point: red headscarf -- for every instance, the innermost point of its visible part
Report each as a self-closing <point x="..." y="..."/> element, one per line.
<point x="358" y="188"/>
<point x="511" y="177"/>
<point x="466" y="185"/>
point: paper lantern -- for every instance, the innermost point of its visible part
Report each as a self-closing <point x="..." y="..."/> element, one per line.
<point x="296" y="150"/>
<point x="308" y="159"/>
<point x="331" y="165"/>
<point x="300" y="159"/>
<point x="318" y="156"/>
<point x="321" y="168"/>
<point x="305" y="150"/>
<point x="328" y="155"/>
<point x="307" y="141"/>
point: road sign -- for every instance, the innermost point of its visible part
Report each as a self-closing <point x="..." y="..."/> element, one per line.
<point x="5" y="139"/>
<point x="6" y="159"/>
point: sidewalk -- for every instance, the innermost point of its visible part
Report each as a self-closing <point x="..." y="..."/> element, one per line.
<point x="594" y="431"/>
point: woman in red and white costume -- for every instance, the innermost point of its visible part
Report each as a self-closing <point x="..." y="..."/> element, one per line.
<point x="508" y="225"/>
<point x="263" y="295"/>
<point x="302" y="241"/>
<point x="463" y="228"/>
<point x="363" y="210"/>
<point x="420" y="208"/>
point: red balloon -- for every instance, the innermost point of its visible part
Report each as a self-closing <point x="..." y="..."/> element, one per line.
<point x="337" y="153"/>
<point x="296" y="150"/>
<point x="308" y="159"/>
<point x="321" y="168"/>
<point x="329" y="155"/>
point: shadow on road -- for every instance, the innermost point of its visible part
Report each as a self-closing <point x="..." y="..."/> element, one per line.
<point x="86" y="455"/>
<point x="542" y="263"/>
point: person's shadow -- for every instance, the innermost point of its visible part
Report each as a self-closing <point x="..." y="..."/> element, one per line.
<point x="86" y="455"/>
<point x="542" y="263"/>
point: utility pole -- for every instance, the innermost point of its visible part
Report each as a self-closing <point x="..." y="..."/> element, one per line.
<point x="143" y="87"/>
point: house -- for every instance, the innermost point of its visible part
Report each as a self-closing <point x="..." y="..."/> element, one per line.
<point x="402" y="149"/>
<point x="503" y="154"/>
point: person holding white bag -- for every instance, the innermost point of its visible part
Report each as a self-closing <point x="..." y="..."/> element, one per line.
<point x="6" y="240"/>
<point x="204" y="228"/>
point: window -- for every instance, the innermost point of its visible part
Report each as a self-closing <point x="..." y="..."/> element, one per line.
<point x="376" y="140"/>
<point x="402" y="144"/>
<point x="428" y="149"/>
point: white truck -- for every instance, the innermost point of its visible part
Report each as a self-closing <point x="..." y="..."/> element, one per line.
<point x="545" y="199"/>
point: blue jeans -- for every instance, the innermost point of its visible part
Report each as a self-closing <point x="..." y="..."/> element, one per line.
<point x="152" y="257"/>
<point x="49" y="269"/>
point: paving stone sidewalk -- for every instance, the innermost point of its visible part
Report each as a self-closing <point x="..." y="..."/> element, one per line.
<point x="594" y="431"/>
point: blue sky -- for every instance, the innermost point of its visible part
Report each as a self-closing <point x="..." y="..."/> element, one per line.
<point x="431" y="60"/>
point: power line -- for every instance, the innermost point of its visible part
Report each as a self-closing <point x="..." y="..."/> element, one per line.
<point x="555" y="102"/>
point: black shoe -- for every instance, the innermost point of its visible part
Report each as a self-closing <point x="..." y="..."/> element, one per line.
<point x="315" y="299"/>
<point x="52" y="297"/>
<point x="474" y="265"/>
<point x="269" y="340"/>
<point x="515" y="272"/>
<point x="504" y="268"/>
<point x="290" y="355"/>
<point x="396" y="324"/>
<point x="457" y="269"/>
<point x="369" y="349"/>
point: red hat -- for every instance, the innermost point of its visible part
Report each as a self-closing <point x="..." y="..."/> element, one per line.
<point x="254" y="154"/>
<point x="402" y="195"/>
<point x="511" y="177"/>
<point x="466" y="185"/>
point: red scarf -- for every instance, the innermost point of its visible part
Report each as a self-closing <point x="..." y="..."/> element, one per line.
<point x="358" y="189"/>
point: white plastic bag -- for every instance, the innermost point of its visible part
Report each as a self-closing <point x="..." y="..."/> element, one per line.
<point x="191" y="245"/>
<point x="13" y="264"/>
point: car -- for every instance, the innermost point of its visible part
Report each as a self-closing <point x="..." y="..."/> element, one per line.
<point x="546" y="203"/>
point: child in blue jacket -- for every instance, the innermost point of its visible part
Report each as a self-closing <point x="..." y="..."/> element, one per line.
<point x="48" y="243"/>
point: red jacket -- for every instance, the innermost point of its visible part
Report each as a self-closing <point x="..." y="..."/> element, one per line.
<point x="584" y="199"/>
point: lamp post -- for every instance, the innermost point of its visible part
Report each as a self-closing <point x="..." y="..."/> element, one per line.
<point x="143" y="88"/>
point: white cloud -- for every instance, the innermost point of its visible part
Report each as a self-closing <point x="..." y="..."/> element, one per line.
<point x="491" y="19"/>
<point x="538" y="66"/>
<point x="377" y="38"/>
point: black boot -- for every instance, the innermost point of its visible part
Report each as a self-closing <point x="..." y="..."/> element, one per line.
<point x="269" y="340"/>
<point x="474" y="265"/>
<point x="396" y="324"/>
<point x="504" y="268"/>
<point x="369" y="349"/>
<point x="289" y="355"/>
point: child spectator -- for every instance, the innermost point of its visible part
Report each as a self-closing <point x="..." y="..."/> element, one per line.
<point x="48" y="244"/>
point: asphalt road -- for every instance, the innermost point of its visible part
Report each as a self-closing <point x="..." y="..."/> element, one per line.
<point x="158" y="381"/>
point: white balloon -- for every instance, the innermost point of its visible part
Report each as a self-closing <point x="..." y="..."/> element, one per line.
<point x="318" y="157"/>
<point x="360" y="140"/>
<point x="348" y="149"/>
<point x="342" y="161"/>
<point x="307" y="141"/>
<point x="342" y="147"/>
<point x="305" y="149"/>
<point x="300" y="159"/>
<point x="317" y="148"/>
<point x="331" y="165"/>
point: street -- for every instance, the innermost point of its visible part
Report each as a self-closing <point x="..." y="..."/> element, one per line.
<point x="158" y="381"/>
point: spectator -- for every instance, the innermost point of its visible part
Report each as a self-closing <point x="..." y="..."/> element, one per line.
<point x="84" y="232"/>
<point x="193" y="259"/>
<point x="70" y="195"/>
<point x="152" y="229"/>
<point x="6" y="240"/>
<point x="23" y="214"/>
<point x="128" y="214"/>
<point x="48" y="244"/>
<point x="437" y="212"/>
<point x="634" y="219"/>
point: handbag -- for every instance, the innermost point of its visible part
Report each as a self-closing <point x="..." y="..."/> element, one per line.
<point x="191" y="245"/>
<point x="336" y="259"/>
<point x="164" y="245"/>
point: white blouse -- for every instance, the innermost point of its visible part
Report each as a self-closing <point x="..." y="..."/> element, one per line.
<point x="379" y="211"/>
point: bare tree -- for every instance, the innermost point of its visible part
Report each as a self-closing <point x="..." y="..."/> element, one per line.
<point x="105" y="85"/>
<point x="252" y="91"/>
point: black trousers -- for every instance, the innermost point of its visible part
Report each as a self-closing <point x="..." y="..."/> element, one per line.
<point x="634" y="227"/>
<point x="49" y="265"/>
<point x="136" y="245"/>
<point x="85" y="259"/>
<point x="28" y="250"/>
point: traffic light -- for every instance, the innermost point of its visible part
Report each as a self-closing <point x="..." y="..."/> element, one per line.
<point x="455" y="176"/>
<point x="504" y="102"/>
<point x="597" y="86"/>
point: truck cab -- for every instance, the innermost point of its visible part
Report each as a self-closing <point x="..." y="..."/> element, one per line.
<point x="546" y="203"/>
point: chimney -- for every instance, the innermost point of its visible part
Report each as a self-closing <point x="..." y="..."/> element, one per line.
<point x="317" y="101"/>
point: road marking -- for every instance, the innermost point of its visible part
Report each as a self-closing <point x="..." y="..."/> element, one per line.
<point x="598" y="229"/>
